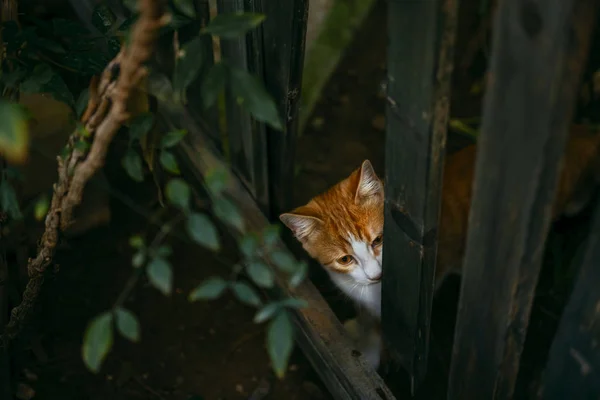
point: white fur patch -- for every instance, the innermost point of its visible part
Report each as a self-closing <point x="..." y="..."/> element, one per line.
<point x="359" y="284"/>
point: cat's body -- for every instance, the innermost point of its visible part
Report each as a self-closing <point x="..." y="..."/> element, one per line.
<point x="342" y="228"/>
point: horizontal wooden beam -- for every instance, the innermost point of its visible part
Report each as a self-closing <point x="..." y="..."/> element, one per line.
<point x="539" y="50"/>
<point x="319" y="333"/>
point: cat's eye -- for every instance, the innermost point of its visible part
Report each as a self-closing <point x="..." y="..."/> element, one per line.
<point x="347" y="259"/>
<point x="377" y="241"/>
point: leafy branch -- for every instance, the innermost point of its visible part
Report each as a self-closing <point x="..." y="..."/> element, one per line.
<point x="105" y="114"/>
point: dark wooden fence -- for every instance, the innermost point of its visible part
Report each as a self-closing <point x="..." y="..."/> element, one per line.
<point x="538" y="53"/>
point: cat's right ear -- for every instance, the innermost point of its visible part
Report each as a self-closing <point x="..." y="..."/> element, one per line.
<point x="300" y="225"/>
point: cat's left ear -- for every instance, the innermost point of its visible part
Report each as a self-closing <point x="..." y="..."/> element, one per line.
<point x="369" y="184"/>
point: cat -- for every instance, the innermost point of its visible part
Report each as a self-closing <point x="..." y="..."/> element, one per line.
<point x="342" y="228"/>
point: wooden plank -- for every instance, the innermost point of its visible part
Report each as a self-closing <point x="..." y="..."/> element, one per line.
<point x="246" y="138"/>
<point x="284" y="33"/>
<point x="573" y="369"/>
<point x="5" y="367"/>
<point x="319" y="333"/>
<point x="419" y="76"/>
<point x="539" y="52"/>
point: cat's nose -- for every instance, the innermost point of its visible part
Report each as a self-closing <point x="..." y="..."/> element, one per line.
<point x="375" y="277"/>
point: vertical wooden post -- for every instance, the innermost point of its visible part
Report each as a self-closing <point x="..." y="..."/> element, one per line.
<point x="420" y="59"/>
<point x="573" y="369"/>
<point x="539" y="50"/>
<point x="284" y="33"/>
<point x="246" y="138"/>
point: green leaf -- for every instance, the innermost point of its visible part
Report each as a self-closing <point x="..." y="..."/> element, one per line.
<point x="127" y="324"/>
<point x="9" y="202"/>
<point x="41" y="207"/>
<point x="246" y="294"/>
<point x="82" y="102"/>
<point x="40" y="76"/>
<point x="280" y="342"/>
<point x="138" y="259"/>
<point x="214" y="83"/>
<point x="14" y="134"/>
<point x="164" y="251"/>
<point x="271" y="235"/>
<point x="249" y="245"/>
<point x="293" y="302"/>
<point x="45" y="44"/>
<point x="188" y="65"/>
<point x="97" y="341"/>
<point x="186" y="7"/>
<point x="140" y="126"/>
<point x="284" y="261"/>
<point x="210" y="289"/>
<point x="172" y="138"/>
<point x="168" y="161"/>
<point x="299" y="275"/>
<point x="266" y="312"/>
<point x="132" y="162"/>
<point x="202" y="230"/>
<point x="103" y="18"/>
<point x="82" y="145"/>
<point x="160" y="275"/>
<point x="254" y="97"/>
<point x="178" y="192"/>
<point x="261" y="274"/>
<point x="227" y="212"/>
<point x="217" y="180"/>
<point x="232" y="25"/>
<point x="136" y="242"/>
<point x="59" y="90"/>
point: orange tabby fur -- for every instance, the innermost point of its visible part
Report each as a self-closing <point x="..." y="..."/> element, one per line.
<point x="339" y="222"/>
<point x="336" y="208"/>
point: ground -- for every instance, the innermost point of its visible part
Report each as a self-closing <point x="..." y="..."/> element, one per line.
<point x="213" y="350"/>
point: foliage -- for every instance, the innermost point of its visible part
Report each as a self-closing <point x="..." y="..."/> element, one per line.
<point x="56" y="57"/>
<point x="59" y="57"/>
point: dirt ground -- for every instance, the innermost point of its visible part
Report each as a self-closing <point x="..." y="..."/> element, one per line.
<point x="214" y="350"/>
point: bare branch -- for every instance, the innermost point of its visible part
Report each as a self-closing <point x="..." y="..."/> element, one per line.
<point x="105" y="114"/>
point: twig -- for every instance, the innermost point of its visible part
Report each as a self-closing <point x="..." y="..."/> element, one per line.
<point x="137" y="273"/>
<point x="105" y="114"/>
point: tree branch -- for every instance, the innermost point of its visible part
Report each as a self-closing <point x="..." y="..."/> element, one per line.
<point x="105" y="114"/>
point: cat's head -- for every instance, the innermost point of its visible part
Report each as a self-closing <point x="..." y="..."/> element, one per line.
<point x="343" y="227"/>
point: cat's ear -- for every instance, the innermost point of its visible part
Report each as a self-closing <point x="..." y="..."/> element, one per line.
<point x="369" y="184"/>
<point x="301" y="221"/>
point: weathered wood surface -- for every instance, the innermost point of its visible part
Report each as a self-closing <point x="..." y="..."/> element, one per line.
<point x="573" y="368"/>
<point x="419" y="75"/>
<point x="284" y="35"/>
<point x="538" y="53"/>
<point x="246" y="138"/>
<point x="319" y="333"/>
<point x="5" y="369"/>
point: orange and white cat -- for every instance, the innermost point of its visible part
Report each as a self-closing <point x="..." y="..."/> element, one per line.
<point x="342" y="228"/>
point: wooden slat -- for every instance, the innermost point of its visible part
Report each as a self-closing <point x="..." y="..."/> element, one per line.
<point x="319" y="333"/>
<point x="538" y="53"/>
<point x="246" y="138"/>
<point x="573" y="369"/>
<point x="284" y="33"/>
<point x="421" y="40"/>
